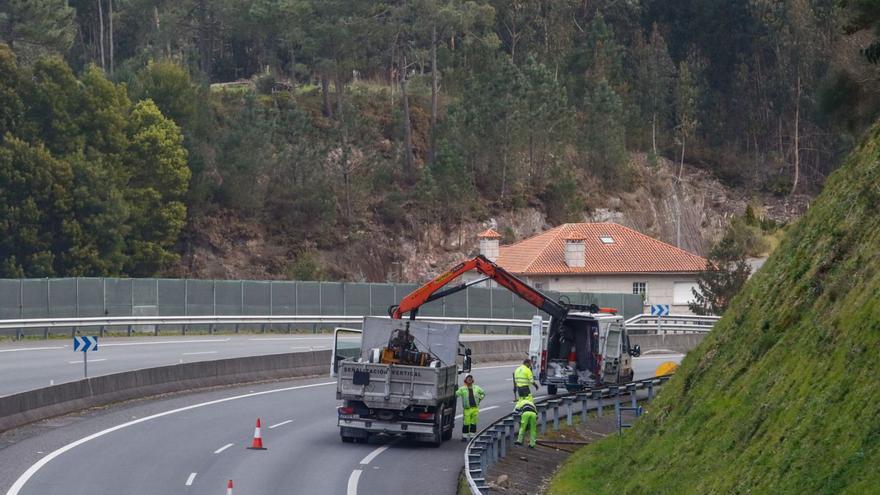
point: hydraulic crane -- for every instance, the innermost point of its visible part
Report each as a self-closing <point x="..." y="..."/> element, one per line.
<point x="577" y="335"/>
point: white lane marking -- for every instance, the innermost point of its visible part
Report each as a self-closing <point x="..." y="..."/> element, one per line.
<point x="221" y="449"/>
<point x="372" y="455"/>
<point x="281" y="424"/>
<point x="200" y="341"/>
<point x="353" y="482"/>
<point x="269" y="339"/>
<point x="16" y="487"/>
<point x="508" y="379"/>
<point x="192" y="477"/>
<point x="32" y="349"/>
<point x="198" y="353"/>
<point x="512" y="366"/>
<point x="481" y="410"/>
<point x="90" y="360"/>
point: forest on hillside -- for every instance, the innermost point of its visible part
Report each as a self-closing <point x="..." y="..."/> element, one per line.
<point x="124" y="121"/>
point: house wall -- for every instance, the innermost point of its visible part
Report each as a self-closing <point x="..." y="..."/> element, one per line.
<point x="659" y="289"/>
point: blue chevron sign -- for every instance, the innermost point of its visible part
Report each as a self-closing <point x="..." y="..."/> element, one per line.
<point x="659" y="310"/>
<point x="85" y="344"/>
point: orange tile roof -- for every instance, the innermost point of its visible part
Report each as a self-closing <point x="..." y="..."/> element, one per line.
<point x="631" y="252"/>
<point x="489" y="234"/>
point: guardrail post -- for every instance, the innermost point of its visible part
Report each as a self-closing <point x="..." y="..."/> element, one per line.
<point x="211" y="329"/>
<point x="101" y="330"/>
<point x="597" y="396"/>
<point x="129" y="330"/>
<point x="502" y="441"/>
<point x="509" y="426"/>
<point x="584" y="406"/>
<point x="650" y="390"/>
<point x="632" y="394"/>
<point x="568" y="401"/>
<point x="555" y="403"/>
<point x="263" y="328"/>
<point x="542" y="409"/>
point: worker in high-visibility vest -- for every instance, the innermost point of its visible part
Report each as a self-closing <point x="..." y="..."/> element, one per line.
<point x="528" y="420"/>
<point x="523" y="379"/>
<point x="471" y="394"/>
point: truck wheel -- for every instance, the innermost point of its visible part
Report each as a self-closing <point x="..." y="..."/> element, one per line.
<point x="551" y="389"/>
<point x="346" y="439"/>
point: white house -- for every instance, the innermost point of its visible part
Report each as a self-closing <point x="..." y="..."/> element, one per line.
<point x="600" y="257"/>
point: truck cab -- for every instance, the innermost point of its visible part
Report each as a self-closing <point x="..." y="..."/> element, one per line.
<point x="587" y="350"/>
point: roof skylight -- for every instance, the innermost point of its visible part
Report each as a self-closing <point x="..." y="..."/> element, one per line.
<point x="606" y="239"/>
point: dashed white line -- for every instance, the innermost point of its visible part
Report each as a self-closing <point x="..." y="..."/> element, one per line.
<point x="32" y="349"/>
<point x="192" y="477"/>
<point x="353" y="482"/>
<point x="281" y="424"/>
<point x="198" y="353"/>
<point x="221" y="449"/>
<point x="90" y="360"/>
<point x="121" y="344"/>
<point x="481" y="410"/>
<point x="16" y="487"/>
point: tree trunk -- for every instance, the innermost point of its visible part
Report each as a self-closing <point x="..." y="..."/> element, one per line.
<point x="408" y="158"/>
<point x="435" y="93"/>
<point x="654" y="133"/>
<point x="204" y="38"/>
<point x="681" y="164"/>
<point x="797" y="144"/>
<point x="340" y="94"/>
<point x="101" y="33"/>
<point x="325" y="95"/>
<point x="110" y="21"/>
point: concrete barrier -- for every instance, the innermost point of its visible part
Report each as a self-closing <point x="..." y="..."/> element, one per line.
<point x="34" y="405"/>
<point x="678" y="343"/>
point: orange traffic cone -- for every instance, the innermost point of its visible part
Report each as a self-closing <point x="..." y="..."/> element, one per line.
<point x="229" y="488"/>
<point x="258" y="438"/>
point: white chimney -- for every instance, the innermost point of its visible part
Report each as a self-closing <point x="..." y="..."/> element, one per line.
<point x="489" y="242"/>
<point x="574" y="251"/>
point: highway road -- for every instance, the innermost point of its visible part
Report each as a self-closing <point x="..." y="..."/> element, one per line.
<point x="194" y="443"/>
<point x="29" y="365"/>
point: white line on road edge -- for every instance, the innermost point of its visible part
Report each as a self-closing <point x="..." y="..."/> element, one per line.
<point x="198" y="353"/>
<point x="496" y="367"/>
<point x="269" y="339"/>
<point x="200" y="341"/>
<point x="353" y="482"/>
<point x="192" y="477"/>
<point x="221" y="449"/>
<point x="281" y="424"/>
<point x="90" y="360"/>
<point x="16" y="487"/>
<point x="33" y="349"/>
<point x="481" y="410"/>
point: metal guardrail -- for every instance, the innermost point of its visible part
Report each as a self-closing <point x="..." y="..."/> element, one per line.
<point x="648" y="324"/>
<point x="130" y="322"/>
<point x="491" y="444"/>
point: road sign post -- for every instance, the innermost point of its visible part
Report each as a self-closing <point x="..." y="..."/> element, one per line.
<point x="659" y="310"/>
<point x="85" y="344"/>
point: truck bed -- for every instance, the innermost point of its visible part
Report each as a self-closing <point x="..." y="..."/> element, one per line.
<point x="396" y="387"/>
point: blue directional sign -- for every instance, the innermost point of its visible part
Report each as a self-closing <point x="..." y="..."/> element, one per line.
<point x="659" y="310"/>
<point x="85" y="344"/>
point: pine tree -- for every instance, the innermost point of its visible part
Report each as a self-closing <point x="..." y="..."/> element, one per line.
<point x="726" y="272"/>
<point x="34" y="28"/>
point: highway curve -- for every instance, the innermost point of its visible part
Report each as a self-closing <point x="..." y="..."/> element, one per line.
<point x="193" y="444"/>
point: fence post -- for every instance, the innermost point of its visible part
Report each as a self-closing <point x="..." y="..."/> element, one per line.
<point x="77" y="296"/>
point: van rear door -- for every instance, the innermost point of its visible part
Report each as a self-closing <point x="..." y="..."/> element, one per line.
<point x="611" y="353"/>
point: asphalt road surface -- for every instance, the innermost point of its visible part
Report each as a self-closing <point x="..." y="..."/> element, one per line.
<point x="193" y="444"/>
<point x="30" y="365"/>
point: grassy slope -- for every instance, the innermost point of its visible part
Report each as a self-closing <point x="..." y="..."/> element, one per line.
<point x="782" y="397"/>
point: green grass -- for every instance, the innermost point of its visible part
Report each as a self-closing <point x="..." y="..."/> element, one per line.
<point x="782" y="396"/>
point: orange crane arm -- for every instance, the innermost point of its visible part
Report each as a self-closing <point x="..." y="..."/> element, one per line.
<point x="428" y="292"/>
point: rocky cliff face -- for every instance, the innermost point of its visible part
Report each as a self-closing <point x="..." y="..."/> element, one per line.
<point x="224" y="245"/>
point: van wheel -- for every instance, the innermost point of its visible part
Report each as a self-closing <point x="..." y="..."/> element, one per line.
<point x="551" y="389"/>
